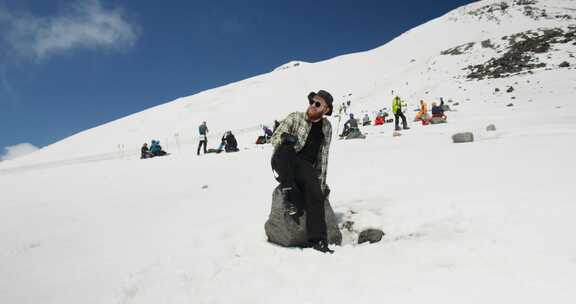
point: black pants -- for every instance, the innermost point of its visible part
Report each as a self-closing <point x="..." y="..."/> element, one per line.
<point x="397" y="115"/>
<point x="200" y="144"/>
<point x="296" y="172"/>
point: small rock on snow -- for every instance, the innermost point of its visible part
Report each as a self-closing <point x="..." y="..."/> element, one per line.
<point x="370" y="235"/>
<point x="463" y="137"/>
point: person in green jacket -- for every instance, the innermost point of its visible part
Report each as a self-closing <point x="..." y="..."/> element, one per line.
<point x="397" y="106"/>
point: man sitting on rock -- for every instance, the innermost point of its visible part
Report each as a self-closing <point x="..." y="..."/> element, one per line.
<point x="301" y="144"/>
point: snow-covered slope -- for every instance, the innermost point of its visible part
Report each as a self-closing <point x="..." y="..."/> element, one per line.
<point x="411" y="65"/>
<point x="86" y="221"/>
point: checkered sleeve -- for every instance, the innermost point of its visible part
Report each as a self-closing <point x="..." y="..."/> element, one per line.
<point x="285" y="126"/>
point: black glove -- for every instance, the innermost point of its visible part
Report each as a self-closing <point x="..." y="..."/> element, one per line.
<point x="288" y="139"/>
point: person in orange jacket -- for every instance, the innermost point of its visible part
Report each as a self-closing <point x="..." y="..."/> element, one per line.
<point x="423" y="113"/>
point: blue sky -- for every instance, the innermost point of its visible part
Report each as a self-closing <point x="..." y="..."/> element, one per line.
<point x="66" y="66"/>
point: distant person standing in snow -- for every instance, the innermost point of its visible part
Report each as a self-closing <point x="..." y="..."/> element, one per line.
<point x="397" y="107"/>
<point x="301" y="144"/>
<point x="203" y="130"/>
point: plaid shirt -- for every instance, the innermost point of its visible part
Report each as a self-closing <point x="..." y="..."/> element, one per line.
<point x="298" y="125"/>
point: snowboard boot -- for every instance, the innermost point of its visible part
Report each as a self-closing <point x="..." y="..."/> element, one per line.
<point x="397" y="128"/>
<point x="321" y="245"/>
<point x="405" y="127"/>
<point x="290" y="203"/>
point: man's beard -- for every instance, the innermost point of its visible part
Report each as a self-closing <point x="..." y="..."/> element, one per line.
<point x="313" y="115"/>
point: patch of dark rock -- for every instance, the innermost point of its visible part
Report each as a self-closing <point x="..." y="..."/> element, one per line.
<point x="463" y="137"/>
<point x="370" y="235"/>
<point x="487" y="44"/>
<point x="564" y="64"/>
<point x="519" y="56"/>
<point x="510" y="90"/>
<point x="348" y="225"/>
<point x="510" y="105"/>
<point x="525" y="2"/>
<point x="458" y="50"/>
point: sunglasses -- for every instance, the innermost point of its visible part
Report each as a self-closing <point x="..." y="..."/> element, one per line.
<point x="316" y="103"/>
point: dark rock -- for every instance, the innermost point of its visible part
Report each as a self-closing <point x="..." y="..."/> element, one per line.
<point x="496" y="90"/>
<point x="456" y="103"/>
<point x="491" y="127"/>
<point x="520" y="53"/>
<point x="370" y="235"/>
<point x="458" y="50"/>
<point x="510" y="90"/>
<point x="283" y="230"/>
<point x="463" y="137"/>
<point x="488" y="44"/>
<point x="564" y="64"/>
<point x="510" y="105"/>
<point x="348" y="226"/>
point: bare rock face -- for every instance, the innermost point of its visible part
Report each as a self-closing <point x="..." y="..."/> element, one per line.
<point x="463" y="137"/>
<point x="283" y="230"/>
<point x="370" y="235"/>
<point x="521" y="52"/>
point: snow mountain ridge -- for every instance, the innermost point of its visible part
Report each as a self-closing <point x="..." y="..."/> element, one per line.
<point x="422" y="63"/>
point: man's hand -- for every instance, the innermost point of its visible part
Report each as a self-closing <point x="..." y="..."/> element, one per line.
<point x="288" y="139"/>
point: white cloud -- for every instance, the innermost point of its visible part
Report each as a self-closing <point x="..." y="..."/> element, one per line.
<point x="18" y="150"/>
<point x="84" y="25"/>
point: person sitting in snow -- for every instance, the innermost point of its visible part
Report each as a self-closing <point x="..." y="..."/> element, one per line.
<point x="350" y="126"/>
<point x="438" y="115"/>
<point x="145" y="152"/>
<point x="156" y="149"/>
<point x="267" y="133"/>
<point x="231" y="143"/>
<point x="300" y="158"/>
<point x="366" y="120"/>
<point x="379" y="120"/>
<point x="423" y="112"/>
